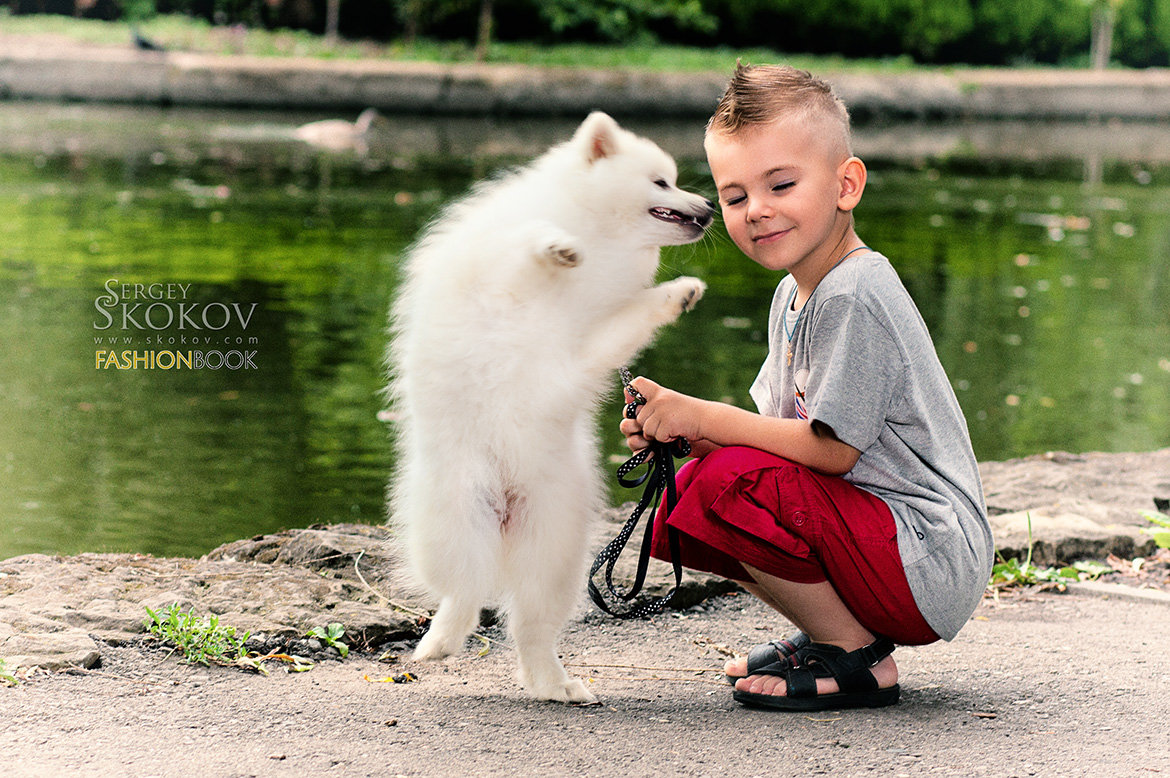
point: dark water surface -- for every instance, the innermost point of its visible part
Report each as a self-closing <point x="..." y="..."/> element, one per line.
<point x="1037" y="254"/>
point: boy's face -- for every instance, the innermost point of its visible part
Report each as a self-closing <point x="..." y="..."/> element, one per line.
<point x="780" y="190"/>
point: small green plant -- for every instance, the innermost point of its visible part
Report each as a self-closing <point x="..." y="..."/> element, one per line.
<point x="331" y="636"/>
<point x="1161" y="531"/>
<point x="205" y="640"/>
<point x="7" y="678"/>
<point x="1012" y="572"/>
<point x="198" y="640"/>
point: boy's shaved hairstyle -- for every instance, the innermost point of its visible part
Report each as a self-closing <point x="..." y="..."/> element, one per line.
<point x="760" y="94"/>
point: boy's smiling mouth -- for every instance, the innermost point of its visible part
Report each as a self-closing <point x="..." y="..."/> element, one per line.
<point x="768" y="237"/>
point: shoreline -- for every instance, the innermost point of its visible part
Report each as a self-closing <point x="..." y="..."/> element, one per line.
<point x="58" y="611"/>
<point x="80" y="73"/>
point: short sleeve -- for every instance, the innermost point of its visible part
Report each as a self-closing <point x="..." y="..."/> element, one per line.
<point x="856" y="371"/>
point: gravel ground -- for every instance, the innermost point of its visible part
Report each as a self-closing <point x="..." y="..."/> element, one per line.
<point x="1030" y="687"/>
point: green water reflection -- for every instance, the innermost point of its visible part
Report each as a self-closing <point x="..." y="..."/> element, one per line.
<point x="1048" y="299"/>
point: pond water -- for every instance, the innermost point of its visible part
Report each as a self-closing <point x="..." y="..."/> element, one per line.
<point x="1037" y="254"/>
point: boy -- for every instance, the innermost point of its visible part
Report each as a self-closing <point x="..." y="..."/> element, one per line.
<point x="851" y="503"/>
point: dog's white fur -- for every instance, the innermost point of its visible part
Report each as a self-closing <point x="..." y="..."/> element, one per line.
<point x="519" y="303"/>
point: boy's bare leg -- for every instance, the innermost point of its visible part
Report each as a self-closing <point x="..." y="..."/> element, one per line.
<point x="818" y="611"/>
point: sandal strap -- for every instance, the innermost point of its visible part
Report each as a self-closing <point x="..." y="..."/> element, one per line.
<point x="850" y="669"/>
<point x="773" y="657"/>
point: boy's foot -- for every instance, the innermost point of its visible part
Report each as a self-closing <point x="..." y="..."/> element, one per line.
<point x="765" y="655"/>
<point x="828" y="678"/>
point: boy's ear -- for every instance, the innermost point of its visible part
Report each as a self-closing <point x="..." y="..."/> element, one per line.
<point x="851" y="175"/>
<point x="597" y="136"/>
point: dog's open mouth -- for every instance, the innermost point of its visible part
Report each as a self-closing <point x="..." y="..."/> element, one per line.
<point x="680" y="218"/>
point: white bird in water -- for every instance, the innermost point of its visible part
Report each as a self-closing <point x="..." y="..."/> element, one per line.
<point x="338" y="134"/>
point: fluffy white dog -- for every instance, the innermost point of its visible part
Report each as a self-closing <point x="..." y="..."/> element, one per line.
<point x="519" y="303"/>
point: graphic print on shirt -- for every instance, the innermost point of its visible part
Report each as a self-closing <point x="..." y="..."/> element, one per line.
<point x="799" y="382"/>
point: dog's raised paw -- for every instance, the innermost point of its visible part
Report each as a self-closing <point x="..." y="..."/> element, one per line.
<point x="693" y="294"/>
<point x="561" y="252"/>
<point x="681" y="295"/>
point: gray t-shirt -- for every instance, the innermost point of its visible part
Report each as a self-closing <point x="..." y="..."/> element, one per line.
<point x="864" y="364"/>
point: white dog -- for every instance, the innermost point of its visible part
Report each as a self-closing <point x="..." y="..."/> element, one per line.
<point x="519" y="303"/>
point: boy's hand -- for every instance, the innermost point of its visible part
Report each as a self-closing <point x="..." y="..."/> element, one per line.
<point x="667" y="415"/>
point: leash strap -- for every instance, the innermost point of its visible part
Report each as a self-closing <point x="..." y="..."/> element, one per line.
<point x="659" y="481"/>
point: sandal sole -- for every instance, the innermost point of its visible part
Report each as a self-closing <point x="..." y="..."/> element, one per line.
<point x="880" y="698"/>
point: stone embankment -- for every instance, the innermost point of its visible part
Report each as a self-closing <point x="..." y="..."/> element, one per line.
<point x="34" y="69"/>
<point x="57" y="612"/>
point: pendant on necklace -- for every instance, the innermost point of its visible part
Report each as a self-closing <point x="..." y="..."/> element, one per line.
<point x="790" y="357"/>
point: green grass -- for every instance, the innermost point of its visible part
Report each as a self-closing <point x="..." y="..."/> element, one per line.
<point x="6" y="678"/>
<point x="1160" y="532"/>
<point x="198" y="640"/>
<point x="203" y="640"/>
<point x="1008" y="573"/>
<point x="182" y="33"/>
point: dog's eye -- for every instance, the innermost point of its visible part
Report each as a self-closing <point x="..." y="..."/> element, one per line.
<point x="661" y="184"/>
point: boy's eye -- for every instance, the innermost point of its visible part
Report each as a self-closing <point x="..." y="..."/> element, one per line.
<point x="734" y="200"/>
<point x="783" y="186"/>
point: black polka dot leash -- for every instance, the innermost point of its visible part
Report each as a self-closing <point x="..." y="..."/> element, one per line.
<point x="658" y="459"/>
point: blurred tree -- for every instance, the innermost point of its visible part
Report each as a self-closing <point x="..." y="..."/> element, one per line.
<point x="1022" y="31"/>
<point x="332" y="19"/>
<point x="483" y="35"/>
<point x="1104" y="15"/>
<point x="1141" y="33"/>
<point x="926" y="26"/>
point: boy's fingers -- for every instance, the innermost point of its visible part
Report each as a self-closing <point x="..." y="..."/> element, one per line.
<point x="636" y="443"/>
<point x="643" y="386"/>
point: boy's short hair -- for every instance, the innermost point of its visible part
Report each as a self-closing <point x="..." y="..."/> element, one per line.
<point x="760" y="94"/>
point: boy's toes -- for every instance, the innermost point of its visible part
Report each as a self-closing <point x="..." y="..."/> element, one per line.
<point x="762" y="684"/>
<point x="736" y="668"/>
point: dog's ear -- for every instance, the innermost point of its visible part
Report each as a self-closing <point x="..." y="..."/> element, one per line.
<point x="597" y="136"/>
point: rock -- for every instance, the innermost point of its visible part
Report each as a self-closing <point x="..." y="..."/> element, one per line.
<point x="340" y="549"/>
<point x="1082" y="506"/>
<point x="55" y="650"/>
<point x="105" y="596"/>
<point x="59" y="611"/>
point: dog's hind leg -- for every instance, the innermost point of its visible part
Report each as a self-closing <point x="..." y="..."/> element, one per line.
<point x="547" y="571"/>
<point x="536" y="624"/>
<point x="457" y="560"/>
<point x="453" y="622"/>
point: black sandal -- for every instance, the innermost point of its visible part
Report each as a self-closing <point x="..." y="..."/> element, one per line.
<point x="773" y="656"/>
<point x="850" y="669"/>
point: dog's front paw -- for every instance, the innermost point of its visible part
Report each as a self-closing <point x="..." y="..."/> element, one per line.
<point x="680" y="295"/>
<point x="561" y="251"/>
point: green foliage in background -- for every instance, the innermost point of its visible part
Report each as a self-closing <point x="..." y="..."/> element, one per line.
<point x="991" y="32"/>
<point x="624" y="20"/>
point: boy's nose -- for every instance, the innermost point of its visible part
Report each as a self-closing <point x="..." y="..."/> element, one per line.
<point x="758" y="211"/>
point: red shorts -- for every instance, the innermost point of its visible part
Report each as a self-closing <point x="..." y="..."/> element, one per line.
<point x="741" y="504"/>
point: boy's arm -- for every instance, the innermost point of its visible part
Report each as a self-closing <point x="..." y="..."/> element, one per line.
<point x="668" y="415"/>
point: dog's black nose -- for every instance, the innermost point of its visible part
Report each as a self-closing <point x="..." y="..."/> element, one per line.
<point x="710" y="204"/>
